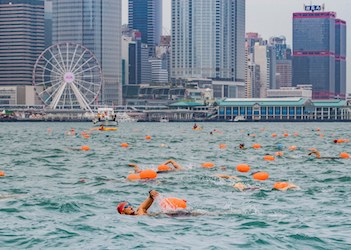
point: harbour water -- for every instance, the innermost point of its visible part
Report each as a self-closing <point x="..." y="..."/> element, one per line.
<point x="56" y="197"/>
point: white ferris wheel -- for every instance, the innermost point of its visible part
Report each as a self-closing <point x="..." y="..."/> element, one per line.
<point x="67" y="76"/>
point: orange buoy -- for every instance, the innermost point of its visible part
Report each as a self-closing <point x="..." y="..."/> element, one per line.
<point x="286" y="135"/>
<point x="148" y="174"/>
<point x="85" y="148"/>
<point x="274" y="135"/>
<point x="148" y="137"/>
<point x="124" y="145"/>
<point x="280" y="185"/>
<point x="340" y="141"/>
<point x="256" y="146"/>
<point x="243" y="168"/>
<point x="2" y="173"/>
<point x="279" y="153"/>
<point x="222" y="146"/>
<point x="207" y="165"/>
<point x="292" y="148"/>
<point x="172" y="203"/>
<point x="163" y="168"/>
<point x="268" y="158"/>
<point x="133" y="177"/>
<point x="261" y="176"/>
<point x="344" y="155"/>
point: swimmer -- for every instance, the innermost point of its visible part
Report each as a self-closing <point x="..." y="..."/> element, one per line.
<point x="127" y="209"/>
<point x="242" y="146"/>
<point x="227" y="176"/>
<point x="195" y="126"/>
<point x="318" y="155"/>
<point x="283" y="186"/>
<point x="101" y="127"/>
<point x="242" y="187"/>
<point x="173" y="163"/>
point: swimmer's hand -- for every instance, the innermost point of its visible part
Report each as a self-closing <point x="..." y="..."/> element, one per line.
<point x="153" y="194"/>
<point x="132" y="165"/>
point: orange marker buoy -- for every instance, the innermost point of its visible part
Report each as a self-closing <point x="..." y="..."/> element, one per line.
<point x="133" y="177"/>
<point x="268" y="158"/>
<point x="85" y="148"/>
<point x="344" y="155"/>
<point x="291" y="148"/>
<point x="274" y="135"/>
<point x="124" y="145"/>
<point x="279" y="154"/>
<point x="243" y="168"/>
<point x="148" y="174"/>
<point x="148" y="137"/>
<point x="280" y="185"/>
<point x="286" y="135"/>
<point x="261" y="176"/>
<point x="163" y="168"/>
<point x="2" y="173"/>
<point x="222" y="146"/>
<point x="256" y="146"/>
<point x="172" y="203"/>
<point x="207" y="165"/>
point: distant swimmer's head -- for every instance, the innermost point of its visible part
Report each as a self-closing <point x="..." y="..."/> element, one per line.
<point x="125" y="208"/>
<point x="280" y="146"/>
<point x="241" y="145"/>
<point x="335" y="141"/>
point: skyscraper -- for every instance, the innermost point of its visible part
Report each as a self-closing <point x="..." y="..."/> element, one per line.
<point x="319" y="54"/>
<point x="146" y="16"/>
<point x="21" y="39"/>
<point x="208" y="39"/>
<point x="96" y="24"/>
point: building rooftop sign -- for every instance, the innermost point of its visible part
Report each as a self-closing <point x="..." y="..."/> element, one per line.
<point x="314" y="8"/>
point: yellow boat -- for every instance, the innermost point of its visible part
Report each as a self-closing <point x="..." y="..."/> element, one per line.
<point x="198" y="128"/>
<point x="105" y="129"/>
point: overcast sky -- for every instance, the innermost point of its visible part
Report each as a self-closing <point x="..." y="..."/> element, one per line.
<point x="273" y="18"/>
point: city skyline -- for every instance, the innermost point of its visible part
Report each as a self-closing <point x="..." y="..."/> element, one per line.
<point x="257" y="12"/>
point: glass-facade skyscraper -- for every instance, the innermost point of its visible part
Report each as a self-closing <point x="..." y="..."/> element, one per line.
<point x="146" y="16"/>
<point x="21" y="39"/>
<point x="96" y="24"/>
<point x="208" y="39"/>
<point x="319" y="53"/>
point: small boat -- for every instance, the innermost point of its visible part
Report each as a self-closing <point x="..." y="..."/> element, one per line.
<point x="164" y="119"/>
<point x="105" y="117"/>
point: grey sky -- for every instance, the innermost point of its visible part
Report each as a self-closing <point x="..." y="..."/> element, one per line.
<point x="273" y="18"/>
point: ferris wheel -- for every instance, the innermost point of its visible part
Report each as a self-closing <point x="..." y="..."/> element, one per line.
<point x="67" y="76"/>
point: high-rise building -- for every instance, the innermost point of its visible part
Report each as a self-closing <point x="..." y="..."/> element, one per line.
<point x="208" y="39"/>
<point x="318" y="38"/>
<point x="146" y="16"/>
<point x="340" y="58"/>
<point x="264" y="57"/>
<point x="21" y="39"/>
<point x="283" y="74"/>
<point x="97" y="26"/>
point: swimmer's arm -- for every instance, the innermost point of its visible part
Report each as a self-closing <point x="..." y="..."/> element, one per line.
<point x="142" y="209"/>
<point x="174" y="163"/>
<point x="135" y="166"/>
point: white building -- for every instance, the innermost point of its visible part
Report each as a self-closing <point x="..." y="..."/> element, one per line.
<point x="208" y="39"/>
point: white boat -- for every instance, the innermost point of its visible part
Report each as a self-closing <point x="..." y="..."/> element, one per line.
<point x="124" y="117"/>
<point x="239" y="118"/>
<point x="164" y="119"/>
<point x="105" y="117"/>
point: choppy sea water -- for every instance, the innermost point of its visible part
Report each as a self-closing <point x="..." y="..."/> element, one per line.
<point x="56" y="197"/>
